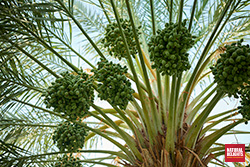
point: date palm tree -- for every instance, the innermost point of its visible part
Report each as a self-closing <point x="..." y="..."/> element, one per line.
<point x="152" y="111"/>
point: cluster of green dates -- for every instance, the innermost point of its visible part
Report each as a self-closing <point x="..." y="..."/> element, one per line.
<point x="71" y="94"/>
<point x="244" y="109"/>
<point x="232" y="70"/>
<point x="68" y="161"/>
<point x="168" y="49"/>
<point x="113" y="85"/>
<point x="232" y="74"/>
<point x="69" y="136"/>
<point x="113" y="40"/>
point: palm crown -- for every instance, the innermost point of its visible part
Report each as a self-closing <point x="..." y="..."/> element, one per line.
<point x="144" y="58"/>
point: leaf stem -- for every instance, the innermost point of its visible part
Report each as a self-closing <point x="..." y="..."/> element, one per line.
<point x="148" y="64"/>
<point x="180" y="14"/>
<point x="178" y="87"/>
<point x="153" y="16"/>
<point x="203" y="55"/>
<point x="35" y="60"/>
<point x="21" y="84"/>
<point x="166" y="98"/>
<point x="171" y="11"/>
<point x="130" y="62"/>
<point x="159" y="87"/>
<point x="208" y="141"/>
<point x="195" y="110"/>
<point x="24" y="124"/>
<point x="170" y="136"/>
<point x="192" y="16"/>
<point x="127" y="138"/>
<point x="73" y="50"/>
<point x="104" y="11"/>
<point x="155" y="114"/>
<point x="195" y="128"/>
<point x="81" y="28"/>
<point x="46" y="45"/>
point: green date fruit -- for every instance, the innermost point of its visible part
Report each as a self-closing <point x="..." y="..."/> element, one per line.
<point x="68" y="161"/>
<point x="231" y="72"/>
<point x="70" y="95"/>
<point x="168" y="49"/>
<point x="69" y="136"/>
<point x="113" y="40"/>
<point x="113" y="84"/>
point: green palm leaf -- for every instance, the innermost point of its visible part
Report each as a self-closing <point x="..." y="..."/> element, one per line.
<point x="168" y="120"/>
